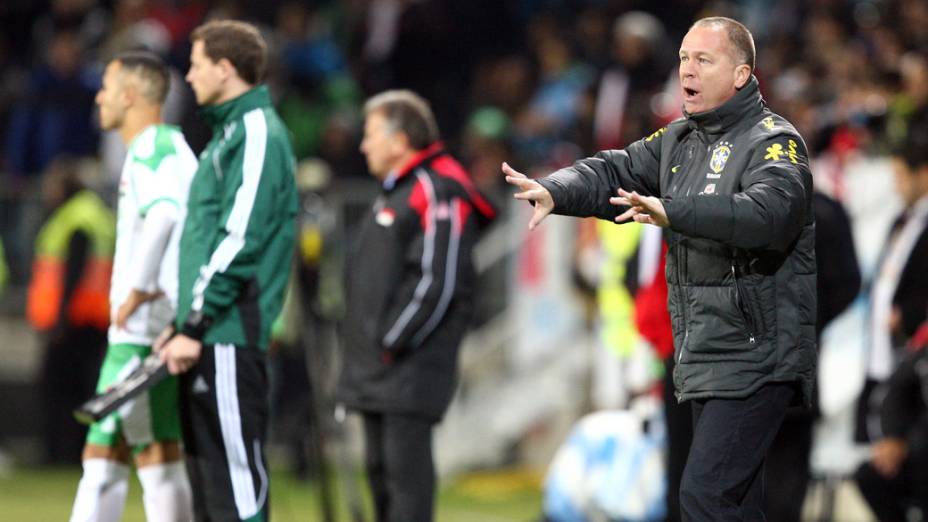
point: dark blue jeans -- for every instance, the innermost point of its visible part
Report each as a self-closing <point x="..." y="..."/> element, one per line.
<point x="724" y="479"/>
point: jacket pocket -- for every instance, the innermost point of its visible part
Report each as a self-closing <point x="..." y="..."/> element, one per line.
<point x="717" y="324"/>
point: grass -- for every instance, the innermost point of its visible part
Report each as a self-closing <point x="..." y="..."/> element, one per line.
<point x="45" y="494"/>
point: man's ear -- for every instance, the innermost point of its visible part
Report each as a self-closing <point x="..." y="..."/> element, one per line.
<point x="227" y="69"/>
<point x="129" y="92"/>
<point x="742" y="75"/>
<point x="401" y="141"/>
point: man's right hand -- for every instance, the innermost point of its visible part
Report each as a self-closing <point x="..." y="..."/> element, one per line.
<point x="134" y="300"/>
<point x="532" y="191"/>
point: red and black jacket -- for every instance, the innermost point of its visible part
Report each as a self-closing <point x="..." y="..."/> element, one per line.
<point x="409" y="285"/>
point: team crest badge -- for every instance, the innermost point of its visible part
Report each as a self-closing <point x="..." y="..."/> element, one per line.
<point x="720" y="157"/>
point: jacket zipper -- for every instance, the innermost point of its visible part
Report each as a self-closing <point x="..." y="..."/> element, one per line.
<point x="742" y="305"/>
<point x="682" y="294"/>
<point x="680" y="267"/>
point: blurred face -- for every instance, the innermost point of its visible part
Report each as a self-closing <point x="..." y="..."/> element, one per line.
<point x="382" y="147"/>
<point x="709" y="75"/>
<point x="206" y="77"/>
<point x="911" y="184"/>
<point x="112" y="99"/>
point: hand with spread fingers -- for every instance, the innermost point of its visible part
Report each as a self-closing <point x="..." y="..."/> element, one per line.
<point x="530" y="190"/>
<point x="643" y="209"/>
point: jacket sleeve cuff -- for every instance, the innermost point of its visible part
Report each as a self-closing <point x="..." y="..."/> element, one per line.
<point x="196" y="325"/>
<point x="553" y="188"/>
<point x="675" y="209"/>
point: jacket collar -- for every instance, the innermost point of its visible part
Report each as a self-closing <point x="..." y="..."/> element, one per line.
<point x="255" y="98"/>
<point x="427" y="153"/>
<point x="746" y="102"/>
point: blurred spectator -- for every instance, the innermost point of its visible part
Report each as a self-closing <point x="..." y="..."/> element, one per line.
<point x="57" y="115"/>
<point x="899" y="293"/>
<point x="486" y="146"/>
<point x="504" y="82"/>
<point x="553" y="110"/>
<point x="132" y="27"/>
<point x="627" y="101"/>
<point x="838" y="283"/>
<point x="68" y="301"/>
<point x="318" y="84"/>
<point x="87" y="20"/>
<point x="895" y="480"/>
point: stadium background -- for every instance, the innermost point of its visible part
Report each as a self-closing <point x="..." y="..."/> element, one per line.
<point x="520" y="80"/>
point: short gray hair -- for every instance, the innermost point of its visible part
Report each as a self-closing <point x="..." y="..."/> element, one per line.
<point x="406" y="111"/>
<point x="738" y="35"/>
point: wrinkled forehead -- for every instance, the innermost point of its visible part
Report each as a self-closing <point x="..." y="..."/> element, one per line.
<point x="707" y="39"/>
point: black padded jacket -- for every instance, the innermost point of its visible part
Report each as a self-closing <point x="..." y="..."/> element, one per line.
<point x="736" y="186"/>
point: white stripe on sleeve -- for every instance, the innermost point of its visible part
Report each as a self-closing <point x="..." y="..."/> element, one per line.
<point x="237" y="224"/>
<point x="428" y="251"/>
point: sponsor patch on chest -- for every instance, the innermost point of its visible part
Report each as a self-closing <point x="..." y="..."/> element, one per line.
<point x="385" y="217"/>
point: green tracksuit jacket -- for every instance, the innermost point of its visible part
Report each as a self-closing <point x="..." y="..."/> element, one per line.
<point x="238" y="238"/>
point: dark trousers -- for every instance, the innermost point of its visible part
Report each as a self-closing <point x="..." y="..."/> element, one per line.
<point x="69" y="373"/>
<point x="224" y="414"/>
<point x="724" y="478"/>
<point x="788" y="472"/>
<point x="679" y="419"/>
<point x="399" y="465"/>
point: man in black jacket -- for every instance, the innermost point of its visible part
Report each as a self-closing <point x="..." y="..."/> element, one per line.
<point x="898" y="304"/>
<point x="895" y="479"/>
<point x="899" y="291"/>
<point x="731" y="181"/>
<point x="409" y="289"/>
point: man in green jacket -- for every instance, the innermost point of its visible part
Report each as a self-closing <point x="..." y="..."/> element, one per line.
<point x="235" y="255"/>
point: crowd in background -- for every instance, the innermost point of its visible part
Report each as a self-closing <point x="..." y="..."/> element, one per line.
<point x="540" y="82"/>
<point x="537" y="83"/>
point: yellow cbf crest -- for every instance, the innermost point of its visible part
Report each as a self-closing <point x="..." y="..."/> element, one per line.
<point x="720" y="156"/>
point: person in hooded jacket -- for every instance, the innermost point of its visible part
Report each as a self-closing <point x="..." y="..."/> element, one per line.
<point x="731" y="182"/>
<point x="410" y="283"/>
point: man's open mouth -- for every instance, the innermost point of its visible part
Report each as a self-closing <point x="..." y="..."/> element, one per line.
<point x="690" y="92"/>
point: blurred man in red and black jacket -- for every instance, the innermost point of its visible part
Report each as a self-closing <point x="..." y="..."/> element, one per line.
<point x="409" y="286"/>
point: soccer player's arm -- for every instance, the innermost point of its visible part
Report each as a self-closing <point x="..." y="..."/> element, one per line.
<point x="159" y="208"/>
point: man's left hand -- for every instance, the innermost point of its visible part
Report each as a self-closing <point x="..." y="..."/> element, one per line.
<point x="644" y="209"/>
<point x="181" y="353"/>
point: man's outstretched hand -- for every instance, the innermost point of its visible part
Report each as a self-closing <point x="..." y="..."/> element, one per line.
<point x="644" y="209"/>
<point x="530" y="190"/>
